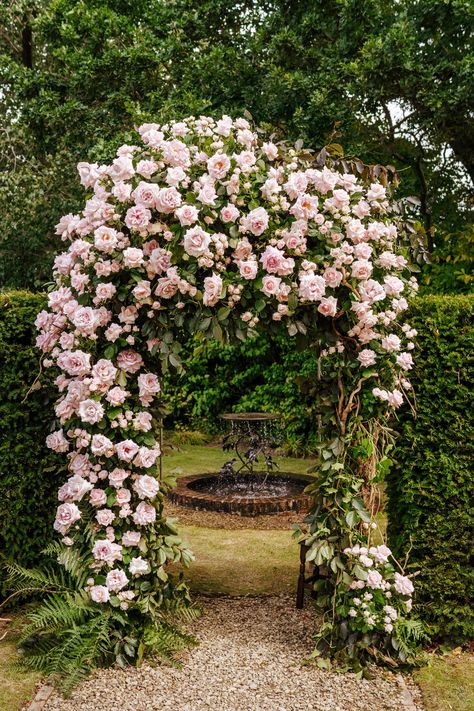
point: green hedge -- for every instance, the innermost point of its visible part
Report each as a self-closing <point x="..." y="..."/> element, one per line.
<point x="431" y="486"/>
<point x="28" y="470"/>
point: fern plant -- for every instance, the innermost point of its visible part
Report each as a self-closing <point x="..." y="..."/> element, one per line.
<point x="66" y="636"/>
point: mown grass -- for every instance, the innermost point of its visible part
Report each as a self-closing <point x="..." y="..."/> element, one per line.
<point x="16" y="686"/>
<point x="447" y="683"/>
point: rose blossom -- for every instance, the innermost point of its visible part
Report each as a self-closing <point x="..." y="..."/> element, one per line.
<point x="361" y="269"/>
<point x="229" y="213"/>
<point x="117" y="396"/>
<point x="101" y="445"/>
<point x="187" y="215"/>
<point x="74" y="489"/>
<point x="105" y="517"/>
<point x="144" y="514"/>
<point x="403" y="585"/>
<point x="146" y="457"/>
<point x="129" y="361"/>
<point x="57" y="441"/>
<point x="97" y="497"/>
<point x="255" y="222"/>
<point x="107" y="551"/>
<point x="168" y="200"/>
<point x="196" y="241"/>
<point x="367" y="357"/>
<point x="270" y="285"/>
<point x="126" y="450"/>
<point x="148" y="386"/>
<point x="391" y="343"/>
<point x="146" y="487"/>
<point x="91" y="411"/>
<point x="138" y="566"/>
<point x="405" y="361"/>
<point x="75" y="363"/>
<point x="137" y="217"/>
<point x="131" y="538"/>
<point x="66" y="515"/>
<point x="104" y="372"/>
<point x="122" y="497"/>
<point x="328" y="306"/>
<point x="132" y="257"/>
<point x="117" y="477"/>
<point x="212" y="290"/>
<point x="332" y="277"/>
<point x="312" y="287"/>
<point x="99" y="593"/>
<point x="218" y="166"/>
<point x="116" y="580"/>
<point x="374" y="579"/>
<point x="248" y="269"/>
<point x="105" y="239"/>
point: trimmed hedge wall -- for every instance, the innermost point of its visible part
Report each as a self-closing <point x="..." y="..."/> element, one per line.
<point x="28" y="470"/>
<point x="431" y="486"/>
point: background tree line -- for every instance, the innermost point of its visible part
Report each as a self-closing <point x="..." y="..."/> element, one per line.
<point x="391" y="82"/>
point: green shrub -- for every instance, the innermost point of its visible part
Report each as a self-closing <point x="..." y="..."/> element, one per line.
<point x="431" y="486"/>
<point x="28" y="479"/>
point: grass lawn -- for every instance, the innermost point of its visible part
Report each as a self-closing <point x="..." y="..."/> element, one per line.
<point x="16" y="686"/>
<point x="447" y="684"/>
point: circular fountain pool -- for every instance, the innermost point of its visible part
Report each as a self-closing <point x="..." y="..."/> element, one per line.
<point x="247" y="495"/>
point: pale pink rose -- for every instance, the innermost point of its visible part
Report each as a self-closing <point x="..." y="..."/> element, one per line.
<point x="122" y="191"/>
<point x="113" y="332"/>
<point x="175" y="176"/>
<point x="63" y="263"/>
<point x="312" y="287"/>
<point x="148" y="385"/>
<point x="296" y="184"/>
<point x="332" y="277"/>
<point x="116" y="580"/>
<point x="393" y="286"/>
<point x="207" y="194"/>
<point x="367" y="357"/>
<point x="137" y="217"/>
<point x="403" y="585"/>
<point x="104" y="371"/>
<point x="168" y="200"/>
<point x="104" y="291"/>
<point x="166" y="288"/>
<point x="123" y="497"/>
<point x="131" y="538"/>
<point x="270" y="285"/>
<point x="374" y="579"/>
<point x="99" y="593"/>
<point x="91" y="411"/>
<point x="243" y="250"/>
<point x="212" y="290"/>
<point x="187" y="215"/>
<point x="142" y="291"/>
<point x="270" y="150"/>
<point x="85" y="320"/>
<point x="105" y="517"/>
<point x="391" y="343"/>
<point x="245" y="160"/>
<point x="159" y="261"/>
<point x="248" y="269"/>
<point x="129" y="361"/>
<point x="121" y="169"/>
<point x="75" y="363"/>
<point x="144" y="514"/>
<point x="381" y="553"/>
<point x="395" y="398"/>
<point x="117" y="396"/>
<point x="138" y="566"/>
<point x="146" y="457"/>
<point x="128" y="314"/>
<point x="57" y="442"/>
<point x="101" y="445"/>
<point x="229" y="213"/>
<point x="105" y="239"/>
<point x="146" y="194"/>
<point x="176" y="153"/>
<point x="305" y="207"/>
<point x="74" y="489"/>
<point x="218" y="166"/>
<point x="146" y="168"/>
<point x="97" y="497"/>
<point x="143" y="421"/>
<point x="107" y="551"/>
<point x="146" y="486"/>
<point x="66" y="515"/>
<point x="255" y="222"/>
<point x="88" y="174"/>
<point x="376" y="192"/>
<point x="117" y="477"/>
<point x="80" y="464"/>
<point x="405" y="361"/>
<point x="67" y="341"/>
<point x="224" y="126"/>
<point x="196" y="241"/>
<point x="371" y="291"/>
<point x="361" y="269"/>
<point x="272" y="259"/>
<point x="363" y="250"/>
<point x="328" y="306"/>
<point x="126" y="450"/>
<point x="133" y="257"/>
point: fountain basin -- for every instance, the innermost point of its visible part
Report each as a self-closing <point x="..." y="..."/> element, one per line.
<point x="280" y="493"/>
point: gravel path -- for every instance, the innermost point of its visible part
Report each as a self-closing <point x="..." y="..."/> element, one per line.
<point x="249" y="659"/>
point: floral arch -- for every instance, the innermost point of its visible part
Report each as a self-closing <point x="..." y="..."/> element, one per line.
<point x="205" y="227"/>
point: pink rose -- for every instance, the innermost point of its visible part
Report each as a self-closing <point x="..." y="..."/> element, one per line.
<point x="133" y="257"/>
<point x="57" y="442"/>
<point x="117" y="396"/>
<point x="176" y="153"/>
<point x="312" y="287"/>
<point x="99" y="593"/>
<point x="129" y="361"/>
<point x="270" y="150"/>
<point x="270" y="285"/>
<point x="66" y="515"/>
<point x="142" y="291"/>
<point x="166" y="288"/>
<point x="148" y="385"/>
<point x="391" y="343"/>
<point x="126" y="450"/>
<point x="105" y="239"/>
<point x="144" y="514"/>
<point x="123" y="497"/>
<point x="105" y="517"/>
<point x="117" y="477"/>
<point x="107" y="551"/>
<point x="187" y="215"/>
<point x="328" y="306"/>
<point x="332" y="277"/>
<point x="403" y="585"/>
<point x="146" y="457"/>
<point x="121" y="169"/>
<point x="374" y="579"/>
<point x="367" y="357"/>
<point x="138" y="566"/>
<point x="212" y="290"/>
<point x="146" y="168"/>
<point x="131" y="538"/>
<point x="88" y="174"/>
<point x="196" y="241"/>
<point x="168" y="200"/>
<point x="137" y="217"/>
<point x="146" y="487"/>
<point x="97" y="497"/>
<point x="255" y="222"/>
<point x="218" y="166"/>
<point x="91" y="411"/>
<point x="104" y="371"/>
<point x="272" y="259"/>
<point x="116" y="580"/>
<point x="101" y="445"/>
<point x="405" y="361"/>
<point x="75" y="363"/>
<point x="74" y="489"/>
<point x="146" y="194"/>
<point x="248" y="268"/>
<point x="361" y="269"/>
<point x="229" y="213"/>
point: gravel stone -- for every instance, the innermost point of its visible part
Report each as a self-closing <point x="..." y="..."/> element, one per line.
<point x="249" y="659"/>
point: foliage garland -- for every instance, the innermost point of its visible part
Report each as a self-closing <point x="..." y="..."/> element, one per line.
<point x="207" y="228"/>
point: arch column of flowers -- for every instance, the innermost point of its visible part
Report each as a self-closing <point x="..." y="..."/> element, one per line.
<point x="205" y="227"/>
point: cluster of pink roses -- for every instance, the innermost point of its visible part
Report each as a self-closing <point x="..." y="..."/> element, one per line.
<point x="199" y="214"/>
<point x="388" y="594"/>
